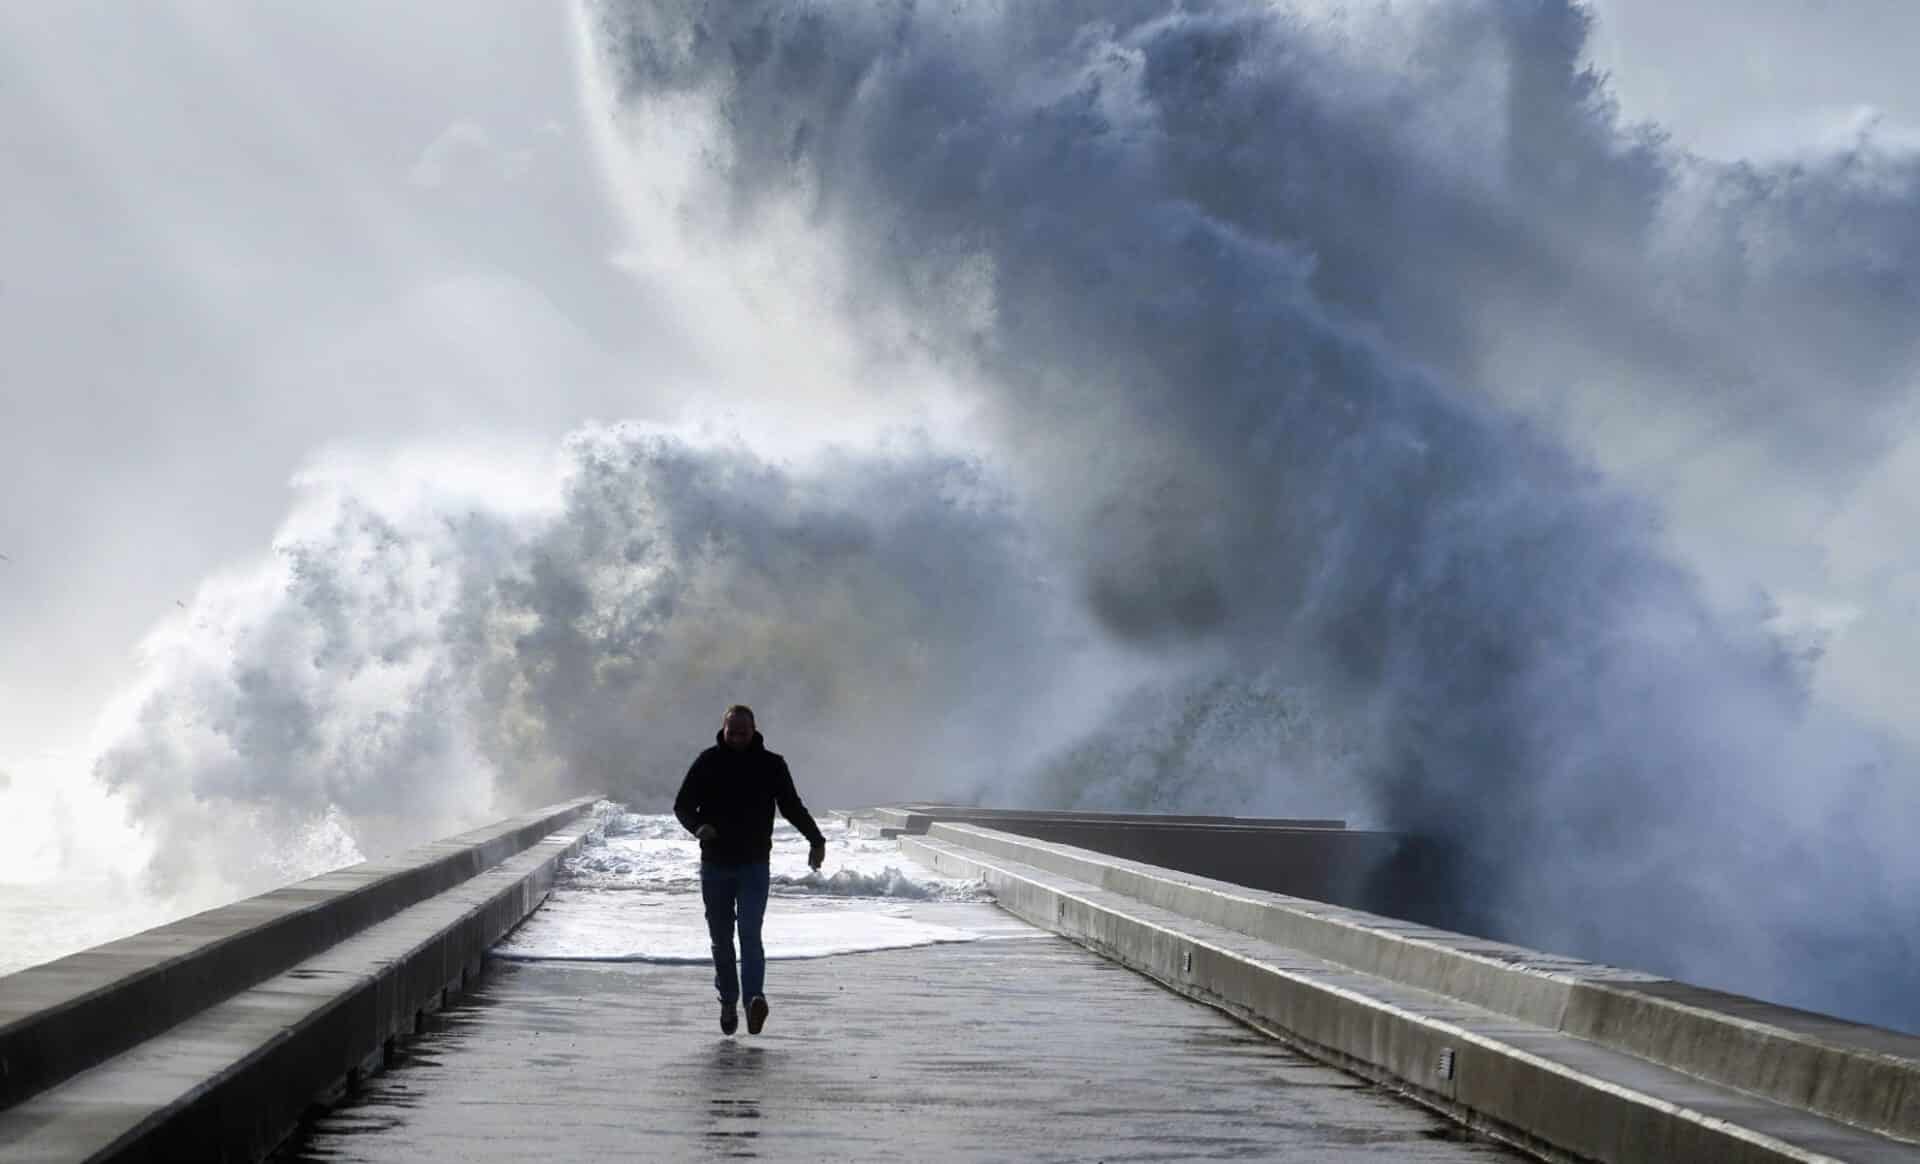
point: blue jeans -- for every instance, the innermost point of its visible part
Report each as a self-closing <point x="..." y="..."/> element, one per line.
<point x="731" y="891"/>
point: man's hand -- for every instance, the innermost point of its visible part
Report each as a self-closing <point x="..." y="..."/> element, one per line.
<point x="817" y="855"/>
<point x="706" y="832"/>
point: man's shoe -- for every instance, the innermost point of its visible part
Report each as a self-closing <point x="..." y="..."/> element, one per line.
<point x="729" y="1018"/>
<point x="756" y="1014"/>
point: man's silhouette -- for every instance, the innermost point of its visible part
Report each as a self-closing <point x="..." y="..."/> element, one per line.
<point x="728" y="800"/>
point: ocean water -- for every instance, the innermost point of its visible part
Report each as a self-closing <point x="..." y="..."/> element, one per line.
<point x="41" y="921"/>
<point x="633" y="895"/>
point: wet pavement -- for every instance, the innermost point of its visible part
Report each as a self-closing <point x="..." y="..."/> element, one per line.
<point x="1022" y="1047"/>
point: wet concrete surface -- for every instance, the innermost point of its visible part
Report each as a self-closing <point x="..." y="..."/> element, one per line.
<point x="1024" y="1047"/>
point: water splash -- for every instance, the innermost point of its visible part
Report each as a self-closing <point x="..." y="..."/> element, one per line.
<point x="1368" y="355"/>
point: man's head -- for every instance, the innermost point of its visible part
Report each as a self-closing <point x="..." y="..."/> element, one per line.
<point x="736" y="727"/>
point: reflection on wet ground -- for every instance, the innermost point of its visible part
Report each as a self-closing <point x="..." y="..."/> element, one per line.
<point x="1022" y="1048"/>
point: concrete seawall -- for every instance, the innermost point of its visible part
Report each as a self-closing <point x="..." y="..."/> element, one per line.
<point x="1309" y="857"/>
<point x="207" y="1038"/>
<point x="917" y="818"/>
<point x="1568" y="1059"/>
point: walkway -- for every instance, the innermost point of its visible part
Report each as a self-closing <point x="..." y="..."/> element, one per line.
<point x="1023" y="1047"/>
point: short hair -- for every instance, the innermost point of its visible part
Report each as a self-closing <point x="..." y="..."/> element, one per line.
<point x="739" y="709"/>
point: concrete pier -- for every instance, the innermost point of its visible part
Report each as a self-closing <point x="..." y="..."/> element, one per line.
<point x="1059" y="1033"/>
<point x="1020" y="1047"/>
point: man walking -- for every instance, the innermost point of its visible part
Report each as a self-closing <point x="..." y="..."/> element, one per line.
<point x="727" y="800"/>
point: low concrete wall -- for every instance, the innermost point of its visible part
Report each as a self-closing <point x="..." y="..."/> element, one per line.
<point x="915" y="818"/>
<point x="82" y="1011"/>
<point x="1315" y="858"/>
<point x="1524" y="1034"/>
<point x="1336" y="865"/>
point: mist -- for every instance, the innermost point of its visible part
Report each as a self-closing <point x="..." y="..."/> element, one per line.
<point x="432" y="647"/>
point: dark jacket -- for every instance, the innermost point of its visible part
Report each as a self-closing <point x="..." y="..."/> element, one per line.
<point x="736" y="793"/>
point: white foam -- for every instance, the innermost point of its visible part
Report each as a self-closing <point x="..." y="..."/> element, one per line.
<point x="633" y="895"/>
<point x="634" y="852"/>
<point x="596" y="926"/>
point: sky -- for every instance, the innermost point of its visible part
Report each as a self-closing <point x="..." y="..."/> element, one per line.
<point x="1763" y="78"/>
<point x="310" y="307"/>
<point x="254" y="235"/>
